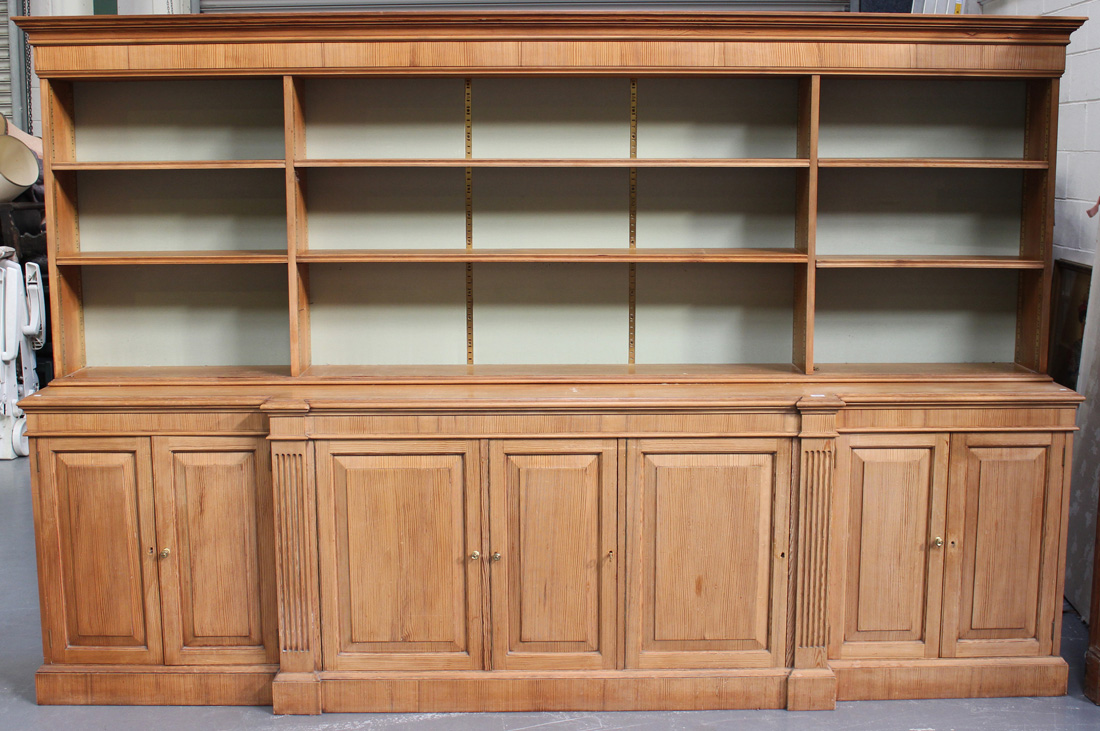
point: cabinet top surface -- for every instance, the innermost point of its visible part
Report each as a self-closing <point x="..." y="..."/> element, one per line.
<point x="284" y="395"/>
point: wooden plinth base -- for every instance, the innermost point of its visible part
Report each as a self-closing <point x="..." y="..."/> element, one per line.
<point x="811" y="690"/>
<point x="619" y="690"/>
<point x="103" y="685"/>
<point x="859" y="680"/>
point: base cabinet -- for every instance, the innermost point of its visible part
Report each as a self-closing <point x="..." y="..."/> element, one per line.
<point x="157" y="550"/>
<point x="628" y="568"/>
<point x="946" y="545"/>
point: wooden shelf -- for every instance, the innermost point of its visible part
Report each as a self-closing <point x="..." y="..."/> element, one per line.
<point x="932" y="162"/>
<point x="263" y="256"/>
<point x="927" y="262"/>
<point x="511" y="374"/>
<point x="626" y="162"/>
<point x="172" y="165"/>
<point x="747" y="256"/>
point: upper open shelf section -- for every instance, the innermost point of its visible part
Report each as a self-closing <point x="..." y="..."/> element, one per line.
<point x="697" y="196"/>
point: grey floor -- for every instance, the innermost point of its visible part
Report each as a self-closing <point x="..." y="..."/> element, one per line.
<point x="21" y="654"/>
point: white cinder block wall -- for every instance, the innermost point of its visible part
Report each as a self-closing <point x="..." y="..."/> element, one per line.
<point x="1075" y="239"/>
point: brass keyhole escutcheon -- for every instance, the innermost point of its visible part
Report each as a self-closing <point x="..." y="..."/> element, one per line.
<point x="164" y="552"/>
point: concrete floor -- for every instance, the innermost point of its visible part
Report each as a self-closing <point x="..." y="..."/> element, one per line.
<point x="21" y="654"/>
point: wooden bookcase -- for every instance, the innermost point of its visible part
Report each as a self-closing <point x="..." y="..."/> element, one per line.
<point x="682" y="298"/>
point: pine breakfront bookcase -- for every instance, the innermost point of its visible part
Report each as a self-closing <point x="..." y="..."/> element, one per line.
<point x="487" y="361"/>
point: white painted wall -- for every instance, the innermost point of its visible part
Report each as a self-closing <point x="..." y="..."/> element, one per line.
<point x="1075" y="239"/>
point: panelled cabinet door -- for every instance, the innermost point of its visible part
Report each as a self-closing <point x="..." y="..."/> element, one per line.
<point x="887" y="552"/>
<point x="708" y="541"/>
<point x="553" y="526"/>
<point x="214" y="516"/>
<point x="398" y="522"/>
<point x="98" y="551"/>
<point x="1003" y="526"/>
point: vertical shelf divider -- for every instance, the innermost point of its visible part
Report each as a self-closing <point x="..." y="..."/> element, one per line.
<point x="809" y="106"/>
<point x="66" y="297"/>
<point x="1040" y="143"/>
<point x="297" y="273"/>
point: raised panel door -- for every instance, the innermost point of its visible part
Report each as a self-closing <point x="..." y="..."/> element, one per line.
<point x="398" y="523"/>
<point x="708" y="545"/>
<point x="99" y="551"/>
<point x="214" y="513"/>
<point x="888" y="528"/>
<point x="553" y="526"/>
<point x="1003" y="523"/>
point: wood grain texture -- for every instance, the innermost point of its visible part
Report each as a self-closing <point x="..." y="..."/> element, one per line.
<point x="98" y="512"/>
<point x="1002" y="530"/>
<point x="553" y="518"/>
<point x="153" y="686"/>
<point x="971" y="678"/>
<point x="509" y="691"/>
<point x="295" y="502"/>
<point x="687" y="565"/>
<point x="401" y="521"/>
<point x="214" y="513"/>
<point x="886" y="570"/>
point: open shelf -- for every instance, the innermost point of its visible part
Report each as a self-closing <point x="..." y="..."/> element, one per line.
<point x="922" y="118"/>
<point x="626" y="162"/>
<point x="185" y="316"/>
<point x="553" y="208"/>
<point x="934" y="162"/>
<point x="106" y="258"/>
<point x="177" y="212"/>
<point x="174" y="120"/>
<point x="386" y="208"/>
<point x="920" y="212"/>
<point x="173" y="165"/>
<point x="786" y="256"/>
<point x="383" y="118"/>
<point x="915" y="315"/>
<point x="927" y="262"/>
<point x="713" y="208"/>
<point x="716" y="314"/>
<point x="717" y="117"/>
<point x="779" y="373"/>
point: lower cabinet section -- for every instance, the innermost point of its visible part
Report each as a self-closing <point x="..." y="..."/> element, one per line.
<point x="938" y="555"/>
<point x="506" y="573"/>
<point x="156" y="550"/>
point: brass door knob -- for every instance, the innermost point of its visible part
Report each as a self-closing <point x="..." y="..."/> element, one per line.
<point x="496" y="556"/>
<point x="475" y="555"/>
<point x="937" y="542"/>
<point x="164" y="552"/>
